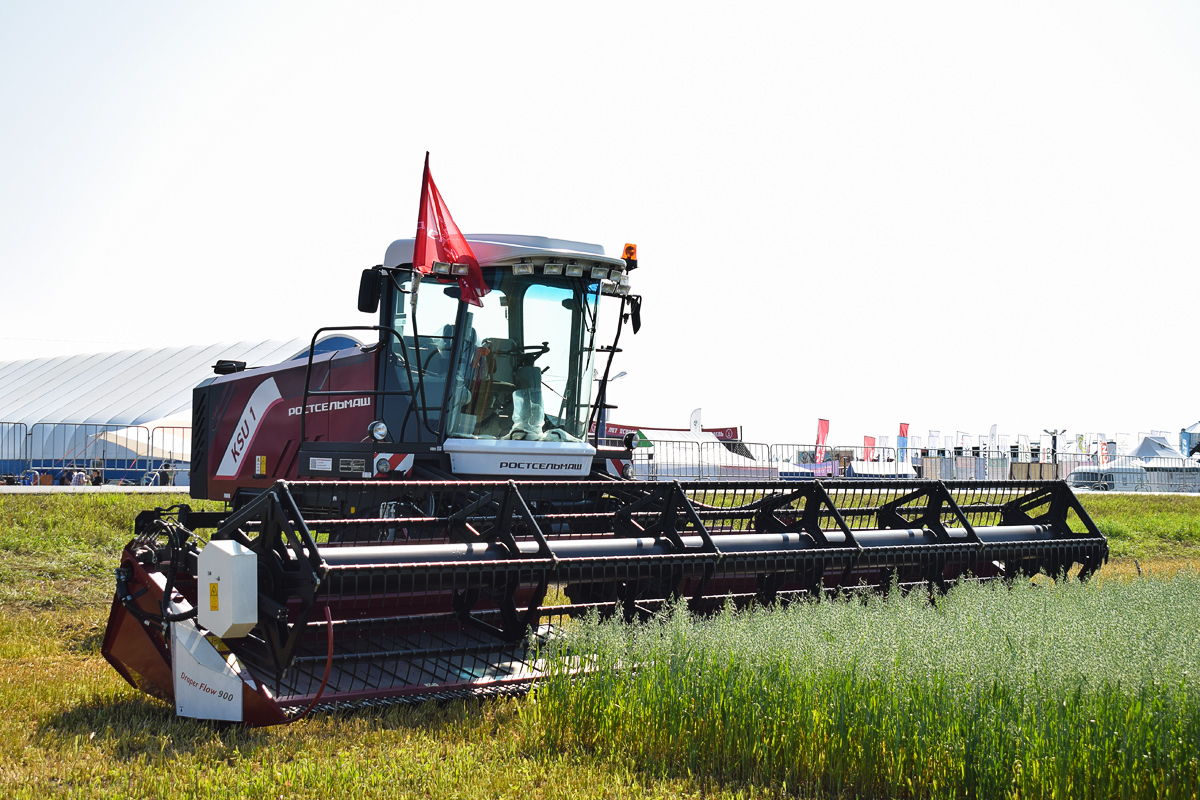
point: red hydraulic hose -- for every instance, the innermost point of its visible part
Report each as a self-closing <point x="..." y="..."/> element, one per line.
<point x="328" y="666"/>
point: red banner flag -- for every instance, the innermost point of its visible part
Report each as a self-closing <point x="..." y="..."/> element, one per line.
<point x="438" y="239"/>
<point x="822" y="433"/>
<point x="904" y="429"/>
<point x="868" y="448"/>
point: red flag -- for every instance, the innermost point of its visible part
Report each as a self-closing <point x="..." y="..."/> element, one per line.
<point x="904" y="429"/>
<point x="822" y="433"/>
<point x="868" y="448"/>
<point x="438" y="239"/>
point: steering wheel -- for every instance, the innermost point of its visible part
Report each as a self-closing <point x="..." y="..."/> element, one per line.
<point x="532" y="352"/>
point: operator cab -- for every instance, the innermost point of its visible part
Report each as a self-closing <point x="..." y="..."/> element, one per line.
<point x="506" y="387"/>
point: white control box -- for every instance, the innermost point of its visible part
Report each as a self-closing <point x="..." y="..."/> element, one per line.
<point x="227" y="590"/>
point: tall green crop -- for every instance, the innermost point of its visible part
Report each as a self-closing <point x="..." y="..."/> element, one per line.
<point x="1072" y="691"/>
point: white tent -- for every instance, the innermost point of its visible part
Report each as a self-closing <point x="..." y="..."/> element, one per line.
<point x="161" y="440"/>
<point x="118" y="410"/>
<point x="1155" y="447"/>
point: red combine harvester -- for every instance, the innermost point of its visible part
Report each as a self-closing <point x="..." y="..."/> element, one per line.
<point x="399" y="512"/>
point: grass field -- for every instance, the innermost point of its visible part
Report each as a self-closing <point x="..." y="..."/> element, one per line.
<point x="72" y="728"/>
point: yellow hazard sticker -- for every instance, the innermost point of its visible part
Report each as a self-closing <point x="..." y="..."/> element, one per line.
<point x="260" y="465"/>
<point x="212" y="597"/>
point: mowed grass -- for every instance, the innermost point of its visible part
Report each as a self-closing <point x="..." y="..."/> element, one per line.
<point x="1146" y="525"/>
<point x="73" y="728"/>
<point x="60" y="550"/>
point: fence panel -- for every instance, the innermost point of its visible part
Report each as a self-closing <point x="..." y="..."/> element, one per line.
<point x="1132" y="474"/>
<point x="653" y="461"/>
<point x="14" y="451"/>
<point x="736" y="461"/>
<point x="703" y="461"/>
<point x="171" y="452"/>
<point x="798" y="462"/>
<point x="119" y="453"/>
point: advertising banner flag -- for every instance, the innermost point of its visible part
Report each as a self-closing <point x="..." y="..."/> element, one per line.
<point x="439" y="239"/>
<point x="822" y="433"/>
<point x="935" y="439"/>
<point x="1103" y="453"/>
<point x="868" y="448"/>
<point x="902" y="443"/>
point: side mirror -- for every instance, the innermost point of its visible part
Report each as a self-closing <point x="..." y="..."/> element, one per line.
<point x="635" y="310"/>
<point x="369" y="287"/>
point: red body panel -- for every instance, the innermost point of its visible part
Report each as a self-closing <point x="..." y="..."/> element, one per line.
<point x="256" y="414"/>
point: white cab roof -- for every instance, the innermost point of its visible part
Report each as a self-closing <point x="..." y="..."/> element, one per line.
<point x="494" y="249"/>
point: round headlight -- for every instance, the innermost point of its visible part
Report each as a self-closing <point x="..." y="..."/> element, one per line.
<point x="383" y="466"/>
<point x="378" y="430"/>
<point x="627" y="471"/>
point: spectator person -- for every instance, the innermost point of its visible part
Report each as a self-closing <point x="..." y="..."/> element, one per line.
<point x="96" y="479"/>
<point x="65" y="478"/>
<point x="78" y="478"/>
<point x="166" y="474"/>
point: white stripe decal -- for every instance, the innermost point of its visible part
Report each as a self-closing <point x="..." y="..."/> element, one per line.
<point x="266" y="395"/>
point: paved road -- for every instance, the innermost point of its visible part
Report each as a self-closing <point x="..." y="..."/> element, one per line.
<point x="93" y="489"/>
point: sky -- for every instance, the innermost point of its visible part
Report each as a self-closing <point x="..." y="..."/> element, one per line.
<point x="947" y="214"/>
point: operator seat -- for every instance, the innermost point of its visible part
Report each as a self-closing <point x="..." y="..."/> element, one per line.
<point x="490" y="380"/>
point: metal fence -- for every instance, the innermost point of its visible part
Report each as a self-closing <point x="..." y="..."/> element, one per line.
<point x="657" y="460"/>
<point x="1126" y="473"/>
<point x="807" y="461"/>
<point x="44" y="452"/>
<point x="14" y="443"/>
<point x="50" y="453"/>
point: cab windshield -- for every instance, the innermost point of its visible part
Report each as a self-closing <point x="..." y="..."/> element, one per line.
<point x="522" y="366"/>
